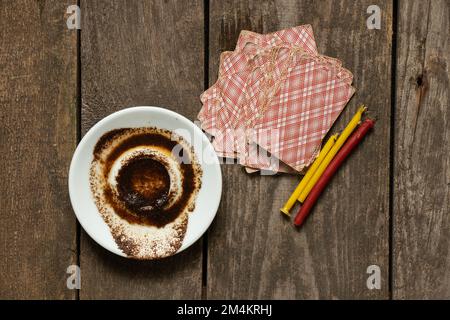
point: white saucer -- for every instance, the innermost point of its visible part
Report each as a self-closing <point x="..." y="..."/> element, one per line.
<point x="208" y="198"/>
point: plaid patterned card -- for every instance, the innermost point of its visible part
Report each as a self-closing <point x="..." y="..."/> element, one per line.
<point x="275" y="99"/>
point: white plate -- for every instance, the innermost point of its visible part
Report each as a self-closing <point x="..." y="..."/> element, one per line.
<point x="208" y="198"/>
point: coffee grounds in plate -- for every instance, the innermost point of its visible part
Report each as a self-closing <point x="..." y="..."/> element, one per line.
<point x="143" y="190"/>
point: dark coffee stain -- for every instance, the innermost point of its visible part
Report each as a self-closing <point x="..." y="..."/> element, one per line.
<point x="143" y="183"/>
<point x="105" y="140"/>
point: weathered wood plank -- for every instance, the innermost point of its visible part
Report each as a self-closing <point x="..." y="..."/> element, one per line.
<point x="38" y="62"/>
<point x="253" y="251"/>
<point x="140" y="53"/>
<point x="422" y="152"/>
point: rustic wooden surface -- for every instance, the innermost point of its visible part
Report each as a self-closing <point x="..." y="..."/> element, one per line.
<point x="37" y="138"/>
<point x="253" y="251"/>
<point x="390" y="210"/>
<point x="422" y="152"/>
<point x="140" y="53"/>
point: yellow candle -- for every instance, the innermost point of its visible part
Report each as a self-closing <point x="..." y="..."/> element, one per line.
<point x="294" y="196"/>
<point x="339" y="143"/>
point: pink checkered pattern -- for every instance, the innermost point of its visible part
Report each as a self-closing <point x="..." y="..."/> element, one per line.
<point x="275" y="97"/>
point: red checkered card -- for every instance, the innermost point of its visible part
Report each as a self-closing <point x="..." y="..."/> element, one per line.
<point x="245" y="58"/>
<point x="275" y="99"/>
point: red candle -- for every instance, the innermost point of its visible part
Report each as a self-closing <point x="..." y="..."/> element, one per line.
<point x="334" y="165"/>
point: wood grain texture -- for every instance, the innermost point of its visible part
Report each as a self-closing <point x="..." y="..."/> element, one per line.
<point x="37" y="137"/>
<point x="253" y="251"/>
<point x="421" y="266"/>
<point x="140" y="53"/>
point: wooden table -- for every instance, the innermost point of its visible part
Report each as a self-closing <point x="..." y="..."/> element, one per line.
<point x="389" y="205"/>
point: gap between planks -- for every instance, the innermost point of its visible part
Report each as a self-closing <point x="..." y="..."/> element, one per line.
<point x="392" y="142"/>
<point x="78" y="129"/>
<point x="206" y="85"/>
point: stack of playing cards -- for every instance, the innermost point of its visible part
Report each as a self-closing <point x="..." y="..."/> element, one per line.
<point x="275" y="100"/>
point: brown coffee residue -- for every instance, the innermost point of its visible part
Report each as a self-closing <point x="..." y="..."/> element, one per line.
<point x="142" y="193"/>
<point x="144" y="186"/>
